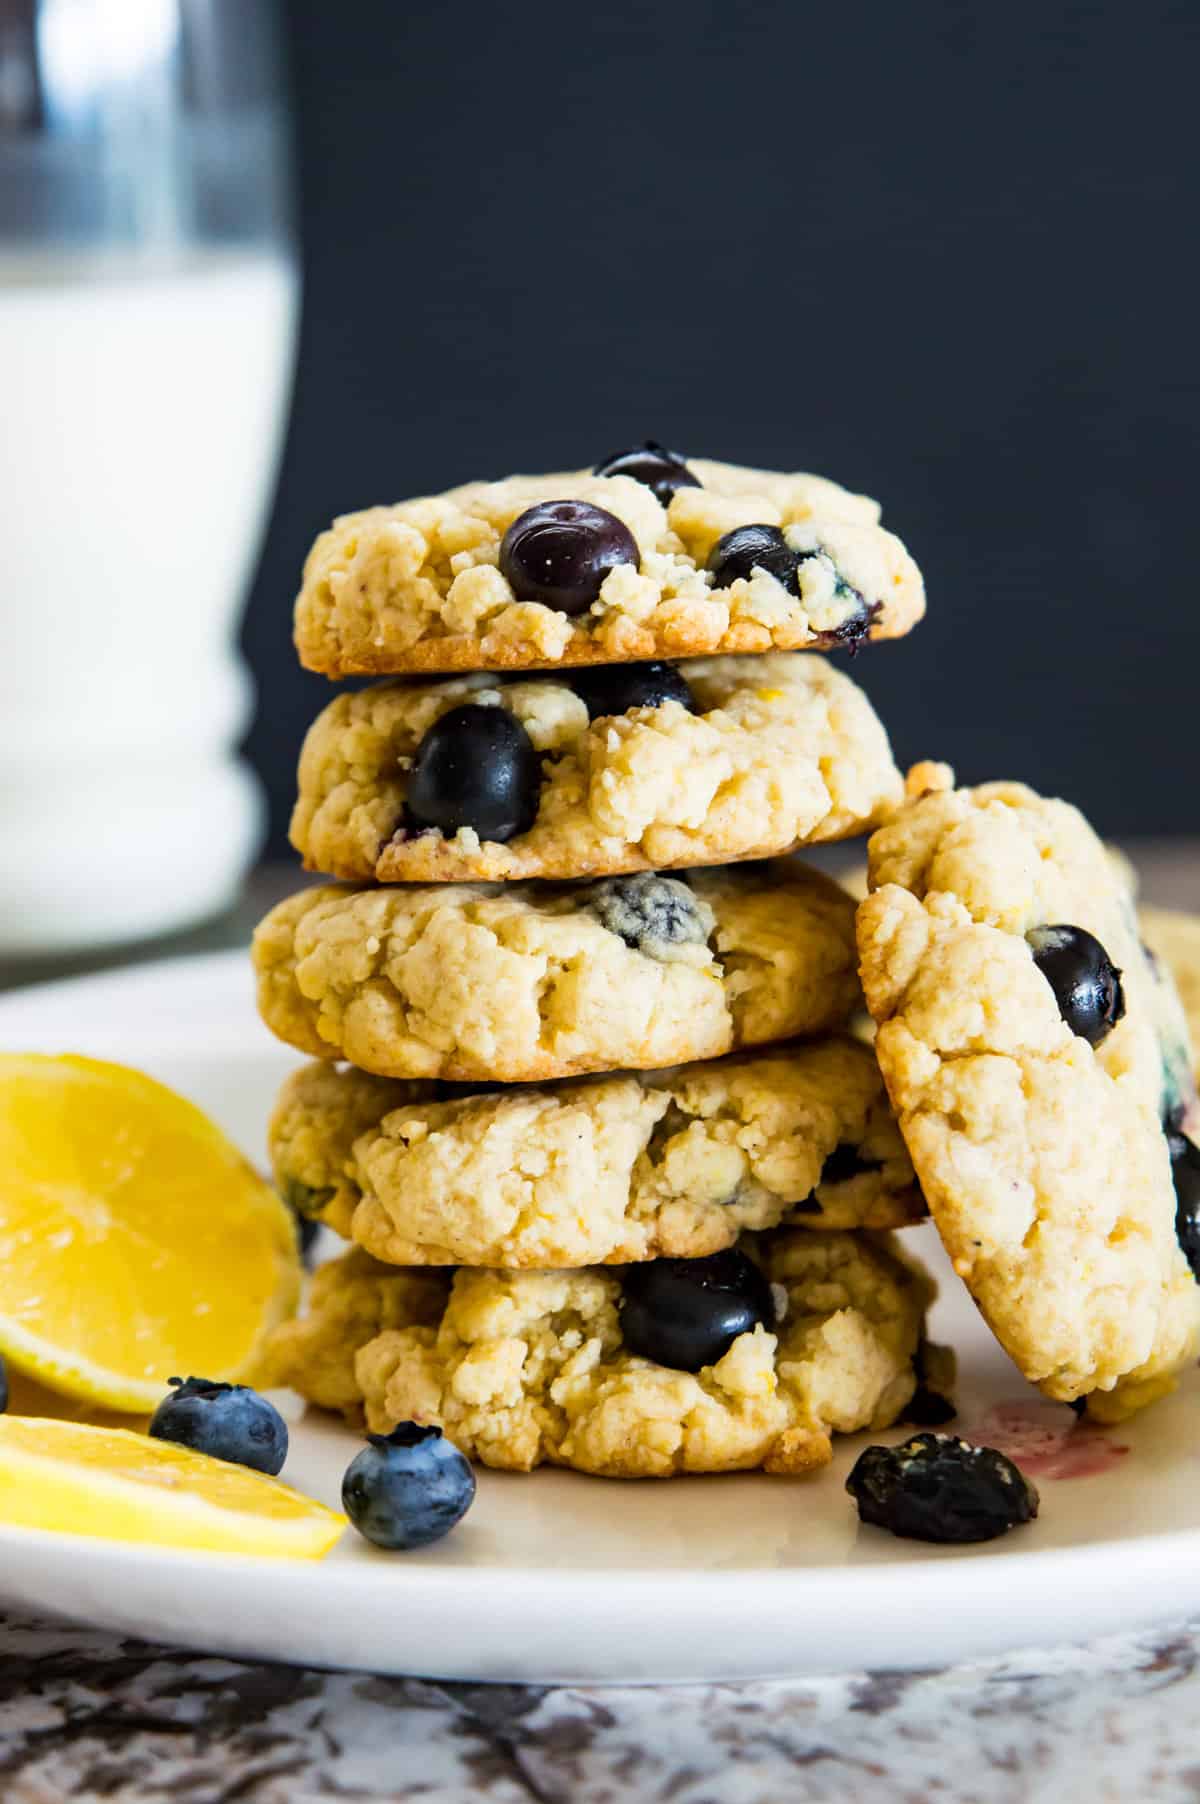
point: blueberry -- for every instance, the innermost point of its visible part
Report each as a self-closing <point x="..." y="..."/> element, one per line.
<point x="560" y="552"/>
<point x="929" y="1409"/>
<point x="1185" y="1169"/>
<point x="935" y="1487"/>
<point x="407" y="1488"/>
<point x="227" y="1421"/>
<point x="3" y="1387"/>
<point x="306" y="1201"/>
<point x="307" y="1232"/>
<point x="686" y="1313"/>
<point x="652" y="914"/>
<point x="616" y="688"/>
<point x="750" y="548"/>
<point x="926" y="1407"/>
<point x="846" y="1161"/>
<point x="476" y="767"/>
<point x="856" y="627"/>
<point x="1086" y="983"/>
<point x="659" y="469"/>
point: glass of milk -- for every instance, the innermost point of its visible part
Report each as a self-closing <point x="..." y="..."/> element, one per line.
<point x="148" y="296"/>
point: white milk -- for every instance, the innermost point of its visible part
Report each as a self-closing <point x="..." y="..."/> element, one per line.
<point x="140" y="423"/>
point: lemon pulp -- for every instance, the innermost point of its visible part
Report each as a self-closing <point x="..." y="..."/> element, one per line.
<point x="112" y="1484"/>
<point x="135" y="1241"/>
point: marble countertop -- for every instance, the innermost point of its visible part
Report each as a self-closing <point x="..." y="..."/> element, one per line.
<point x="91" y="1716"/>
<point x="85" y="1715"/>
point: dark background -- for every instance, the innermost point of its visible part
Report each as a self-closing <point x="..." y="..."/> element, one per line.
<point x="944" y="253"/>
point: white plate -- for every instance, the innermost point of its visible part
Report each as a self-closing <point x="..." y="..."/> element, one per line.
<point x="558" y="1577"/>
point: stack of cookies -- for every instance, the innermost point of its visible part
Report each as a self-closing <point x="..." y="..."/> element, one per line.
<point x="620" y="1186"/>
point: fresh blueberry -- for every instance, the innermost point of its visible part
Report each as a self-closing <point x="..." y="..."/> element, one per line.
<point x="407" y="1488"/>
<point x="652" y="914"/>
<point x="560" y="552"/>
<point x="1086" y="983"/>
<point x="750" y="548"/>
<point x="687" y="1313"/>
<point x="935" y="1487"/>
<point x="227" y="1421"/>
<point x="659" y="469"/>
<point x="616" y="688"/>
<point x="1185" y="1169"/>
<point x="475" y="767"/>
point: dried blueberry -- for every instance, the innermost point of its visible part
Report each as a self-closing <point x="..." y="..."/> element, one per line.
<point x="687" y="1313"/>
<point x="1185" y="1169"/>
<point x="652" y="914"/>
<point x="1086" y="983"/>
<point x="476" y="767"/>
<point x="935" y="1487"/>
<point x="750" y="548"/>
<point x="560" y="552"/>
<point x="615" y="688"/>
<point x="659" y="469"/>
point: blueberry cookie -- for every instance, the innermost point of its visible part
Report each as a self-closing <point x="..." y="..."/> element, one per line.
<point x="1174" y="938"/>
<point x="601" y="568"/>
<point x="632" y="767"/>
<point x="516" y="983"/>
<point x="753" y="1357"/>
<point x="1033" y="1055"/>
<point x="598" y="1171"/>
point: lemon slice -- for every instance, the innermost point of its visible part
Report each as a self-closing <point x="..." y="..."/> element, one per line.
<point x="135" y="1241"/>
<point x="120" y="1486"/>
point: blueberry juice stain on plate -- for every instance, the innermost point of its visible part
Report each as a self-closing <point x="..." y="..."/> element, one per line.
<point x="1047" y="1440"/>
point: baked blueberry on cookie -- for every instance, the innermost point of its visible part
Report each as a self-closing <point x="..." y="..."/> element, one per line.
<point x="515" y="983"/>
<point x="602" y="1170"/>
<point x="752" y="1358"/>
<point x="1038" y="1064"/>
<point x="647" y="556"/>
<point x="631" y="767"/>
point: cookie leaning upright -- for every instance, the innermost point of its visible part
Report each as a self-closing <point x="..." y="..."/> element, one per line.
<point x="1033" y="1054"/>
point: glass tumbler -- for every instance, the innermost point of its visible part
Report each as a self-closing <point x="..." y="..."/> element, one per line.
<point x="148" y="298"/>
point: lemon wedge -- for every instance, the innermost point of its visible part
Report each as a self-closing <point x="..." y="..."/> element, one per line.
<point x="120" y="1486"/>
<point x="135" y="1241"/>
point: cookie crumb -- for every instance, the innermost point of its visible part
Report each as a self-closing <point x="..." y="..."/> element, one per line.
<point x="928" y="778"/>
